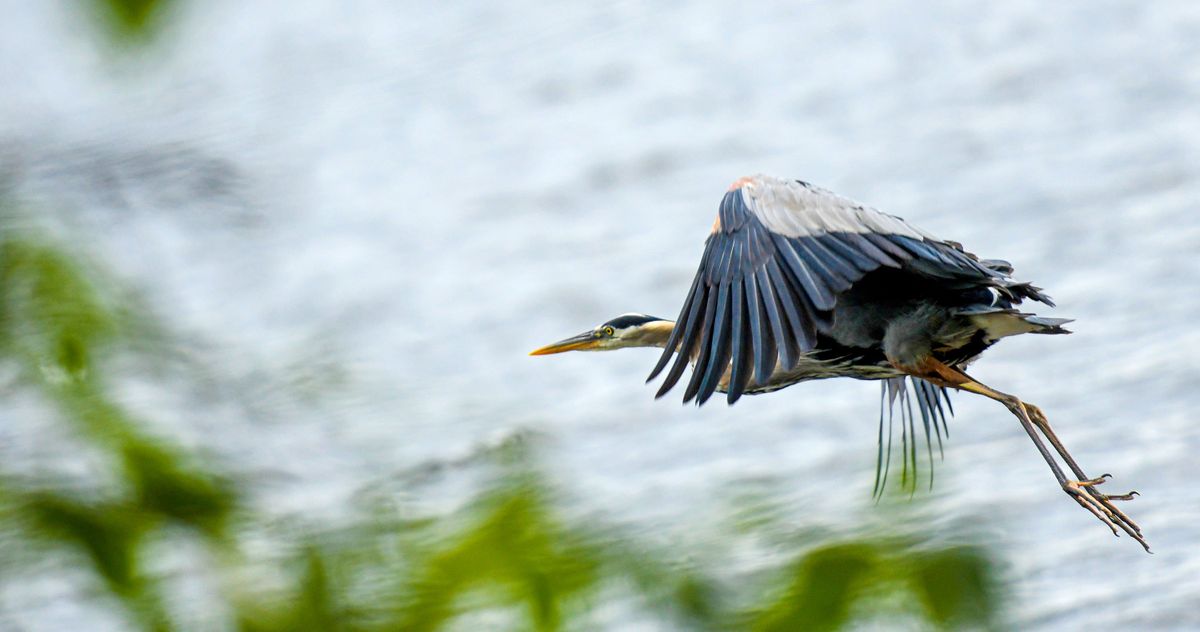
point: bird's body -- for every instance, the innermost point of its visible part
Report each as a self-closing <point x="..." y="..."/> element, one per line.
<point x="791" y="270"/>
<point x="797" y="283"/>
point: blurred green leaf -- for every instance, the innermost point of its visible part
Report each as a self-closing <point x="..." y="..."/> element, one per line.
<point x="833" y="584"/>
<point x="111" y="535"/>
<point x="108" y="534"/>
<point x="517" y="553"/>
<point x="50" y="316"/>
<point x="826" y="583"/>
<point x="956" y="587"/>
<point x="164" y="484"/>
<point x="132" y="20"/>
<point x="696" y="599"/>
<point x="312" y="607"/>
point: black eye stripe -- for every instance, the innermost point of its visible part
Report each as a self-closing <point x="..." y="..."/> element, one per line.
<point x="630" y="320"/>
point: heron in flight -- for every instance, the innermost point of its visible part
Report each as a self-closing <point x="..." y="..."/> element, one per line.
<point x="798" y="283"/>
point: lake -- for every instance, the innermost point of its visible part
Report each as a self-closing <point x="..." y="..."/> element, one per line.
<point x="358" y="218"/>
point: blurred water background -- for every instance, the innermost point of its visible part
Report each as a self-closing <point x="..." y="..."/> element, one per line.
<point x="352" y="220"/>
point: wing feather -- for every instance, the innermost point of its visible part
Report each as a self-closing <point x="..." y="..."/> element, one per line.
<point x="788" y="301"/>
<point x="719" y="353"/>
<point x="693" y="385"/>
<point x="836" y="274"/>
<point x="860" y="243"/>
<point x="771" y="305"/>
<point x="887" y="245"/>
<point x="754" y="315"/>
<point x="739" y="354"/>
<point x="861" y="261"/>
<point x="764" y="362"/>
<point x="820" y="294"/>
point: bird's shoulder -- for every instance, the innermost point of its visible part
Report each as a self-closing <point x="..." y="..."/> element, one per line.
<point x="794" y="208"/>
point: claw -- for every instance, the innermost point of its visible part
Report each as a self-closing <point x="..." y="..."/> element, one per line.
<point x="1100" y="505"/>
<point x="1095" y="481"/>
<point x="1127" y="523"/>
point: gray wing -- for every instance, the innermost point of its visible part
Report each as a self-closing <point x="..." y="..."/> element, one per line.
<point x="779" y="254"/>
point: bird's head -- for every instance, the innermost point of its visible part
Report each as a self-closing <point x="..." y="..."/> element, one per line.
<point x="626" y="330"/>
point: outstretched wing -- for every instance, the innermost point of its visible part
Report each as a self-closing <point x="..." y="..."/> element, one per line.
<point x="779" y="255"/>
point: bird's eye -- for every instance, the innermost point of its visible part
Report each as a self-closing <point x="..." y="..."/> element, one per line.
<point x="608" y="331"/>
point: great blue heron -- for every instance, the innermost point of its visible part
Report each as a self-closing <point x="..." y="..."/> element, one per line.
<point x="797" y="283"/>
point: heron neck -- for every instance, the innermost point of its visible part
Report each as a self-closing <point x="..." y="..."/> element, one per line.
<point x="654" y="334"/>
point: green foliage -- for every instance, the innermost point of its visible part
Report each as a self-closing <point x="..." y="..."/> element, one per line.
<point x="956" y="586"/>
<point x="131" y="21"/>
<point x="825" y="583"/>
<point x="108" y="535"/>
<point x="518" y="553"/>
<point x="165" y="485"/>
<point x="50" y="317"/>
<point x="828" y="584"/>
<point x="312" y="605"/>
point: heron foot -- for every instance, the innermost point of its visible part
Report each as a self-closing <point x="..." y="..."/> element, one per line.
<point x="1101" y="506"/>
<point x="1084" y="490"/>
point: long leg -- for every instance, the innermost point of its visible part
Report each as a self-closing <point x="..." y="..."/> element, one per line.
<point x="1032" y="419"/>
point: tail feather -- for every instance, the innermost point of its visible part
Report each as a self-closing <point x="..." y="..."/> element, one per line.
<point x="1000" y="322"/>
<point x="1048" y="325"/>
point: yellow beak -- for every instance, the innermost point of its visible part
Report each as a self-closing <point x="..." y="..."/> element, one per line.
<point x="583" y="342"/>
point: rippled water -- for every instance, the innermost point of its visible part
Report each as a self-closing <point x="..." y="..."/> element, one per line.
<point x="363" y="215"/>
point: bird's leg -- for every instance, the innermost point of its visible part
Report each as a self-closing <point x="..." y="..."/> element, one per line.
<point x="1031" y="417"/>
